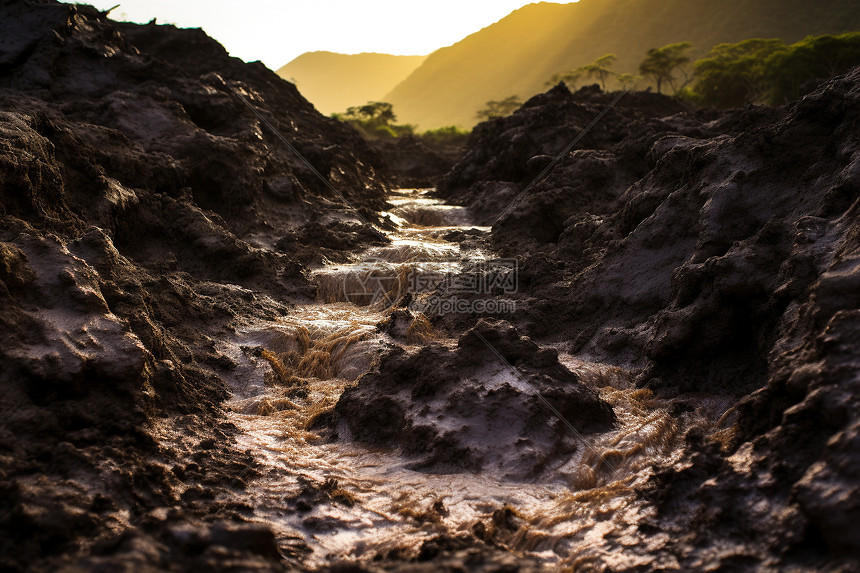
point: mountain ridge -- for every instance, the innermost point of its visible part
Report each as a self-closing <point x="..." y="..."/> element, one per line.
<point x="334" y="81"/>
<point x="542" y="39"/>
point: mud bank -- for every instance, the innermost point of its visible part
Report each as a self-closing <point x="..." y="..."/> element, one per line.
<point x="211" y="359"/>
<point x="464" y="409"/>
<point x="414" y="163"/>
<point x="141" y="201"/>
<point x="711" y="255"/>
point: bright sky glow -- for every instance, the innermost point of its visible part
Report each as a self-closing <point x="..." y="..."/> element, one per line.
<point x="277" y="31"/>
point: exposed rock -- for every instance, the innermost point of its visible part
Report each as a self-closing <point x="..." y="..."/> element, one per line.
<point x="141" y="201"/>
<point x="314" y="242"/>
<point x="148" y="214"/>
<point x="723" y="261"/>
<point x="470" y="409"/>
<point x="414" y="163"/>
<point x="515" y="149"/>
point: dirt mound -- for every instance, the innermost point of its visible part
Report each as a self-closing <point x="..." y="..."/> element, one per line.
<point x="486" y="405"/>
<point x="716" y="256"/>
<point x="141" y="203"/>
<point x="510" y="152"/>
<point x="413" y="163"/>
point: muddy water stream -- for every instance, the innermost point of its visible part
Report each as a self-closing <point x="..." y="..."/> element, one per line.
<point x="349" y="502"/>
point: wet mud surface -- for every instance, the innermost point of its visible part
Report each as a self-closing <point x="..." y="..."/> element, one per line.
<point x="388" y="441"/>
<point x="212" y="360"/>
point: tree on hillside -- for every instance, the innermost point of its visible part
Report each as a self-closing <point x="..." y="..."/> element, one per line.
<point x="570" y="79"/>
<point x="627" y="80"/>
<point x="812" y="58"/>
<point x="600" y="68"/>
<point x="733" y="75"/>
<point x="769" y="71"/>
<point x="376" y="113"/>
<point x="375" y="119"/>
<point x="661" y="65"/>
<point x="502" y="108"/>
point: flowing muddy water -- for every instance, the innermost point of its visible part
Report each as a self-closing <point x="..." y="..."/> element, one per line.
<point x="350" y="502"/>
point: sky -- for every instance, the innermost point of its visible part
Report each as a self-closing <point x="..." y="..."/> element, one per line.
<point x="276" y="32"/>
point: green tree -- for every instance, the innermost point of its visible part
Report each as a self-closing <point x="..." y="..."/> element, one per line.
<point x="601" y="68"/>
<point x="733" y="75"/>
<point x="627" y="80"/>
<point x="375" y="113"/>
<point x="375" y="119"/>
<point x="661" y="65"/>
<point x="769" y="71"/>
<point x="812" y="58"/>
<point x="570" y="79"/>
<point x="501" y="108"/>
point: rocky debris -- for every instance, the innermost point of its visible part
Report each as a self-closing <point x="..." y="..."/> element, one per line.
<point x="414" y="163"/>
<point x="167" y="98"/>
<point x="221" y="547"/>
<point x="140" y="207"/>
<point x="445" y="554"/>
<point x="796" y="458"/>
<point x="504" y="155"/>
<point x="312" y="494"/>
<point x="111" y="401"/>
<point x="716" y="255"/>
<point x="464" y="409"/>
<point x="316" y="242"/>
<point x="406" y="326"/>
<point x="147" y="214"/>
<point x="700" y="236"/>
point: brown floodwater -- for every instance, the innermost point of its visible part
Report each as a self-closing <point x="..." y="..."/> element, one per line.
<point x="581" y="511"/>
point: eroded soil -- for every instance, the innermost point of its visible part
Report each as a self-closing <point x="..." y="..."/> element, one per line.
<point x="214" y="359"/>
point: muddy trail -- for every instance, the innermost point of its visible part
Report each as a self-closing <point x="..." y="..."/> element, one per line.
<point x="235" y="338"/>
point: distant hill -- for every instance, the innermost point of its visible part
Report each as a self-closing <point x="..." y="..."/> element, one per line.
<point x="333" y="82"/>
<point x="518" y="54"/>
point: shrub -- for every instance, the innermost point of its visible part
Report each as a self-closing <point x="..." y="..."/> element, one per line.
<point x="448" y="135"/>
<point x="500" y="108"/>
<point x="375" y="120"/>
